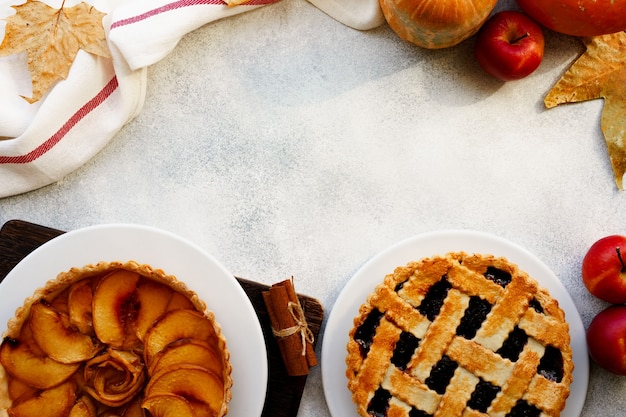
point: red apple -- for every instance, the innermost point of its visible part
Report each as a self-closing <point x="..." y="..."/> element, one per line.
<point x="509" y="45"/>
<point x="578" y="17"/>
<point x="606" y="339"/>
<point x="604" y="271"/>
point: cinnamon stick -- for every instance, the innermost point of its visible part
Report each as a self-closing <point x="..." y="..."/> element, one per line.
<point x="295" y="340"/>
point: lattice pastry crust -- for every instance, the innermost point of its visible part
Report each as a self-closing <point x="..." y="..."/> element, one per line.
<point x="459" y="335"/>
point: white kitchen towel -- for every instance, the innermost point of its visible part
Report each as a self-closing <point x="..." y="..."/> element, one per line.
<point x="41" y="143"/>
<point x="358" y="14"/>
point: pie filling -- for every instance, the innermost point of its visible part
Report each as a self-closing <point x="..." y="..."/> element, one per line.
<point x="415" y="313"/>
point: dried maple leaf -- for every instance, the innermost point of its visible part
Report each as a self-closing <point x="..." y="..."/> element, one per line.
<point x="51" y="38"/>
<point x="600" y="73"/>
<point x="232" y="3"/>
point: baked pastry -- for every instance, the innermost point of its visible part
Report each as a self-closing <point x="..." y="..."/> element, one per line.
<point x="114" y="339"/>
<point x="459" y="335"/>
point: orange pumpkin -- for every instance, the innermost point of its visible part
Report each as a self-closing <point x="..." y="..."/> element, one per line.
<point x="436" y="24"/>
<point x="578" y="17"/>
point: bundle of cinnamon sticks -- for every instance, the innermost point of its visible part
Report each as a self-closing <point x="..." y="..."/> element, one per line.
<point x="295" y="339"/>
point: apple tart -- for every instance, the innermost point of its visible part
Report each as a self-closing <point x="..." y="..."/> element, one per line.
<point x="459" y="335"/>
<point x="114" y="339"/>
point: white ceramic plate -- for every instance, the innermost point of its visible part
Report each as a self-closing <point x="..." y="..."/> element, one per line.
<point x="176" y="256"/>
<point x="372" y="273"/>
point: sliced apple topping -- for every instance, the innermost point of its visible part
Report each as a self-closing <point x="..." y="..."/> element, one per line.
<point x="53" y="402"/>
<point x="59" y="303"/>
<point x="114" y="377"/>
<point x="152" y="299"/>
<point x="134" y="408"/>
<point x="175" y="325"/>
<point x="168" y="405"/>
<point x="196" y="384"/>
<point x="79" y="300"/>
<point x="114" y="309"/>
<point x="179" y="302"/>
<point x="84" y="407"/>
<point x="20" y="391"/>
<point x="187" y="351"/>
<point x="58" y="338"/>
<point x="20" y="360"/>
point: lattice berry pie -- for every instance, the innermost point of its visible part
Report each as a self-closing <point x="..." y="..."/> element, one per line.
<point x="114" y="340"/>
<point x="459" y="335"/>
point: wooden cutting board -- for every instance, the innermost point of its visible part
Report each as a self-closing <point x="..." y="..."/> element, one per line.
<point x="18" y="238"/>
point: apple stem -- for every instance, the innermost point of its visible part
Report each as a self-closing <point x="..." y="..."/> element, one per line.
<point x="621" y="260"/>
<point x="519" y="38"/>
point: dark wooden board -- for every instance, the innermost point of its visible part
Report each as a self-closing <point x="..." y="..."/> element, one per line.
<point x="18" y="238"/>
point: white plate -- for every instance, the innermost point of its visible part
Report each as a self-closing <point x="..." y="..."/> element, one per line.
<point x="176" y="256"/>
<point x="372" y="273"/>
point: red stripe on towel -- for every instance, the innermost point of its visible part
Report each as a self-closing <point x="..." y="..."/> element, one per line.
<point x="52" y="141"/>
<point x="178" y="5"/>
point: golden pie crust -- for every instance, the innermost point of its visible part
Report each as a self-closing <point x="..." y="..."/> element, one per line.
<point x="459" y="335"/>
<point x="55" y="292"/>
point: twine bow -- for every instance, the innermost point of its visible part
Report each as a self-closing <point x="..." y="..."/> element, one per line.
<point x="301" y="326"/>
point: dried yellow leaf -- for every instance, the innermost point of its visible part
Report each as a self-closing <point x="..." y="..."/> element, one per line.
<point x="600" y="73"/>
<point x="232" y="3"/>
<point x="51" y="38"/>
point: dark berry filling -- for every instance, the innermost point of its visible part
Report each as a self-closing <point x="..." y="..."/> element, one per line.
<point x="379" y="404"/>
<point x="483" y="395"/>
<point x="513" y="345"/>
<point x="551" y="364"/>
<point x="364" y="334"/>
<point x="500" y="277"/>
<point x="474" y="316"/>
<point x="536" y="305"/>
<point x="432" y="302"/>
<point x="418" y="413"/>
<point x="399" y="286"/>
<point x="405" y="347"/>
<point x="523" y="409"/>
<point x="441" y="374"/>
